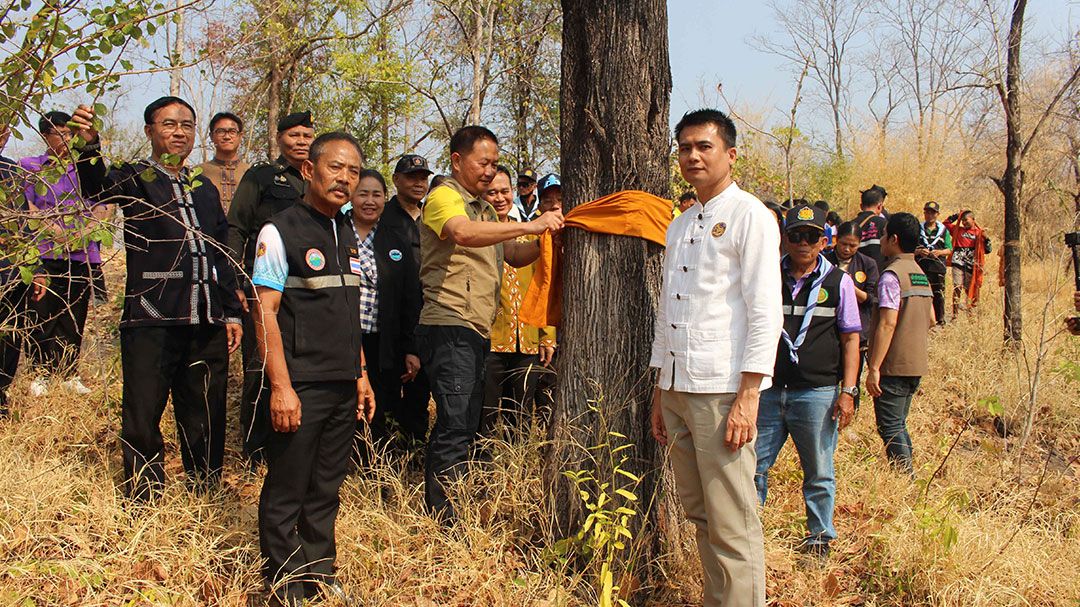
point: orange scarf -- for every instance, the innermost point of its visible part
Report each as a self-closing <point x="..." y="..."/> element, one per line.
<point x="979" y="268"/>
<point x="627" y="213"/>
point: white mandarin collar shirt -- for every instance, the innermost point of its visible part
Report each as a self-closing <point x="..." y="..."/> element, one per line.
<point x="720" y="305"/>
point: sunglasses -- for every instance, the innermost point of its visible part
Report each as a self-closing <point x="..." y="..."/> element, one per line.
<point x="808" y="236"/>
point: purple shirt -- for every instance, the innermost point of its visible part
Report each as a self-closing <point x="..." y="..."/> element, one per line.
<point x="847" y="310"/>
<point x="64" y="193"/>
<point x="888" y="288"/>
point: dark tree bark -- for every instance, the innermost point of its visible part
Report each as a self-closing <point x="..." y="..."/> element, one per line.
<point x="615" y="92"/>
<point x="1012" y="182"/>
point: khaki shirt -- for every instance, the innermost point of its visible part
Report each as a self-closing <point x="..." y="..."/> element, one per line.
<point x="225" y="176"/>
<point x="461" y="284"/>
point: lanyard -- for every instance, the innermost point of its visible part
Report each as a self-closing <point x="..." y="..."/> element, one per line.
<point x="824" y="267"/>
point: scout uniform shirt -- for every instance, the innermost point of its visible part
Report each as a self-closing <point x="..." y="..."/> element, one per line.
<point x="461" y="284"/>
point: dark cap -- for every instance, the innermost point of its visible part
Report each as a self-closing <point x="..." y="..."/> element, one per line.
<point x="805" y="215"/>
<point x="932" y="206"/>
<point x="527" y="175"/>
<point x="551" y="180"/>
<point x="412" y="163"/>
<point x="295" y="119"/>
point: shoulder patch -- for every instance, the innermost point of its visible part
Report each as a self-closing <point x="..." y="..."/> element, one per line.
<point x="919" y="280"/>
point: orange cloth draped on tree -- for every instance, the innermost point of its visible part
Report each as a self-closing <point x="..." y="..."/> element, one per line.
<point x="626" y="213"/>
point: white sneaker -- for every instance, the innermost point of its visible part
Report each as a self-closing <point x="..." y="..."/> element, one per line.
<point x="75" y="385"/>
<point x="39" y="387"/>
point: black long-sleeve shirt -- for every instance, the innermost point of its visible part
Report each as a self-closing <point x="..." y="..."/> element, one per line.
<point x="179" y="271"/>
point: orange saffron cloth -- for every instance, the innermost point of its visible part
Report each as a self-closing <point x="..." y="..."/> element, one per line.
<point x="627" y="213"/>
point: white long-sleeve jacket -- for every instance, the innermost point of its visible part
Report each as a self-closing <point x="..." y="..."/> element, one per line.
<point x="720" y="304"/>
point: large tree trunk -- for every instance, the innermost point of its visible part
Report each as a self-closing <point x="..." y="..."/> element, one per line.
<point x="1012" y="181"/>
<point x="615" y="92"/>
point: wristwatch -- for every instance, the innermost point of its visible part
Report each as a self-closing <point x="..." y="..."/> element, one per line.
<point x="853" y="391"/>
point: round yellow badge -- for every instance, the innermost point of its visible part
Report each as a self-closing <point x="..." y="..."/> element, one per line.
<point x="822" y="296"/>
<point x="719" y="229"/>
<point x="806" y="214"/>
<point x="860" y="276"/>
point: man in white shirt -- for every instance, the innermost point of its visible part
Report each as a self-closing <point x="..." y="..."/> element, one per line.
<point x="717" y="329"/>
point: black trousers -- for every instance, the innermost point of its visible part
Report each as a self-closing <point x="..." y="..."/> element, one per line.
<point x="299" y="501"/>
<point x="407" y="409"/>
<point x="937" y="285"/>
<point x="255" y="393"/>
<point x="57" y="332"/>
<point x="510" y="385"/>
<point x="192" y="364"/>
<point x="455" y="359"/>
<point x="14" y="298"/>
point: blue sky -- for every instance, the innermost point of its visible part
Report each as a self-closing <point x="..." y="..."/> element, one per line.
<point x="710" y="42"/>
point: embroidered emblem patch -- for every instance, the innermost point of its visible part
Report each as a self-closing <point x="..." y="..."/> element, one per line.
<point x="354" y="265"/>
<point x="919" y="280"/>
<point x="280" y="179"/>
<point x="719" y="229"/>
<point x="806" y="214"/>
<point x="822" y="296"/>
<point x="261" y="250"/>
<point x="395" y="255"/>
<point x="860" y="276"/>
<point x="315" y="259"/>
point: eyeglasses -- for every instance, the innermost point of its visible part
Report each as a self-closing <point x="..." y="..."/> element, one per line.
<point x="809" y="236"/>
<point x="170" y="126"/>
<point x="229" y="132"/>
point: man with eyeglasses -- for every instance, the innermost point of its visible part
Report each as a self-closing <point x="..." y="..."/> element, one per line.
<point x="266" y="189"/>
<point x="181" y="316"/>
<point x="226" y="168"/>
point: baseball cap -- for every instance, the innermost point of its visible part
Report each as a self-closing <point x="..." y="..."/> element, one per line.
<point x="932" y="206"/>
<point x="526" y="175"/>
<point x="805" y="215"/>
<point x="551" y="180"/>
<point x="412" y="163"/>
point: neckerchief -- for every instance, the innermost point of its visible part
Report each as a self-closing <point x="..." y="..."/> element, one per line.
<point x="824" y="267"/>
<point x="938" y="236"/>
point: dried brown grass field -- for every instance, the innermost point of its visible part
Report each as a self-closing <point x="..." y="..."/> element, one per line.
<point x="994" y="527"/>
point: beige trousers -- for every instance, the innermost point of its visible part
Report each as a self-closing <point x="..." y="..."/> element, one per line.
<point x="716" y="486"/>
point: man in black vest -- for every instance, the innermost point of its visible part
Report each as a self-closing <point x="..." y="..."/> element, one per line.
<point x="819" y="347"/>
<point x="871" y="222"/>
<point x="181" y="315"/>
<point x="265" y="189"/>
<point x="307" y="282"/>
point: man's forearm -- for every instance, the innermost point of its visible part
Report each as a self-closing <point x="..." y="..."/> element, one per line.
<point x="750" y="383"/>
<point x="882" y="339"/>
<point x="486" y="233"/>
<point x="849" y="343"/>
<point x="268" y="334"/>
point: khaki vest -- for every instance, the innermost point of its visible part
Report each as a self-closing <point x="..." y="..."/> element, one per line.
<point x="461" y="284"/>
<point x="907" y="355"/>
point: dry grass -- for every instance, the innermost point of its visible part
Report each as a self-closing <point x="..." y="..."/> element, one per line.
<point x="66" y="538"/>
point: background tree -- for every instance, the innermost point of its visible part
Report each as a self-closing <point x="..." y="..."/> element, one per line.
<point x="1006" y="81"/>
<point x="821" y="34"/>
<point x="616" y="86"/>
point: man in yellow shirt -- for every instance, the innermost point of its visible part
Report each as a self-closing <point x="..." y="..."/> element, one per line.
<point x="462" y="246"/>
